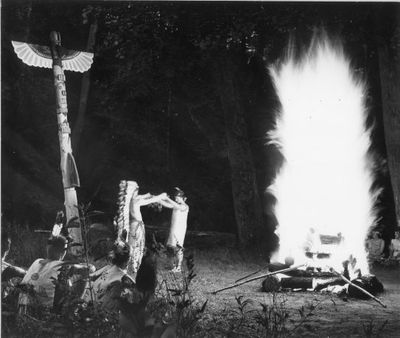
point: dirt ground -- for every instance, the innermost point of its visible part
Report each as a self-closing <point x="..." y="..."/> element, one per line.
<point x="332" y="317"/>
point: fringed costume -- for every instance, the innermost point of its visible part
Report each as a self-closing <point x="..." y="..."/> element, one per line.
<point x="130" y="229"/>
<point x="136" y="240"/>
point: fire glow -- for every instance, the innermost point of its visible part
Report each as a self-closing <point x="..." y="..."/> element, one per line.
<point x="327" y="175"/>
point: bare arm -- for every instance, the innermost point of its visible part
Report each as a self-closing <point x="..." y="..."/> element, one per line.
<point x="171" y="202"/>
<point x="152" y="199"/>
<point x="166" y="204"/>
<point x="175" y="205"/>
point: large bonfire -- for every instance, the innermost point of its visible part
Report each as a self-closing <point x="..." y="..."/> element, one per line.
<point x="324" y="185"/>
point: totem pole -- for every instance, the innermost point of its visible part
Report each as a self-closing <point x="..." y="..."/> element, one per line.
<point x="59" y="58"/>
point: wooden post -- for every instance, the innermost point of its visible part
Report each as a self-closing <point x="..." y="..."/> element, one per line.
<point x="58" y="59"/>
<point x="69" y="172"/>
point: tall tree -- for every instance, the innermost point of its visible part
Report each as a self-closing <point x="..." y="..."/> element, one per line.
<point x="389" y="64"/>
<point x="247" y="206"/>
<point x="89" y="15"/>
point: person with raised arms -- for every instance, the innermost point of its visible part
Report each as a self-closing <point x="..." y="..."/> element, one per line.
<point x="176" y="238"/>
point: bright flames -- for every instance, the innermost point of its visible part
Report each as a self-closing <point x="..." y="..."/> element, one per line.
<point x="327" y="175"/>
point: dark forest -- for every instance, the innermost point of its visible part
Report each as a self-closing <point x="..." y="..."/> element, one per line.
<point x="179" y="94"/>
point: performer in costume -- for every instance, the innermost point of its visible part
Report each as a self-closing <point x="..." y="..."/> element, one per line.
<point x="130" y="222"/>
<point x="107" y="282"/>
<point x="41" y="274"/>
<point x="121" y="221"/>
<point x="176" y="238"/>
<point x="39" y="287"/>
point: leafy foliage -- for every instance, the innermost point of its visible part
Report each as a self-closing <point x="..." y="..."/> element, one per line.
<point x="174" y="303"/>
<point x="154" y="112"/>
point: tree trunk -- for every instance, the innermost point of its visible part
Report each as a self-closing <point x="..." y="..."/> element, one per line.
<point x="248" y="212"/>
<point x="80" y="120"/>
<point x="389" y="64"/>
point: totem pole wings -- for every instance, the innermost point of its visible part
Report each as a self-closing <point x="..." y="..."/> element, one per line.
<point x="60" y="59"/>
<point x="40" y="56"/>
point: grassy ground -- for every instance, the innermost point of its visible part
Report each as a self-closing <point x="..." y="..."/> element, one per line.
<point x="245" y="311"/>
<point x="306" y="314"/>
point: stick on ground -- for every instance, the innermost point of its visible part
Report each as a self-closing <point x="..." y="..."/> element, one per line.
<point x="252" y="274"/>
<point x="258" y="277"/>
<point x="360" y="288"/>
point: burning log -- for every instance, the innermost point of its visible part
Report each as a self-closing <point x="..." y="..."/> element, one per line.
<point x="297" y="283"/>
<point x="310" y="272"/>
<point x="297" y="278"/>
<point x="318" y="255"/>
<point x="363" y="287"/>
<point x="272" y="283"/>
